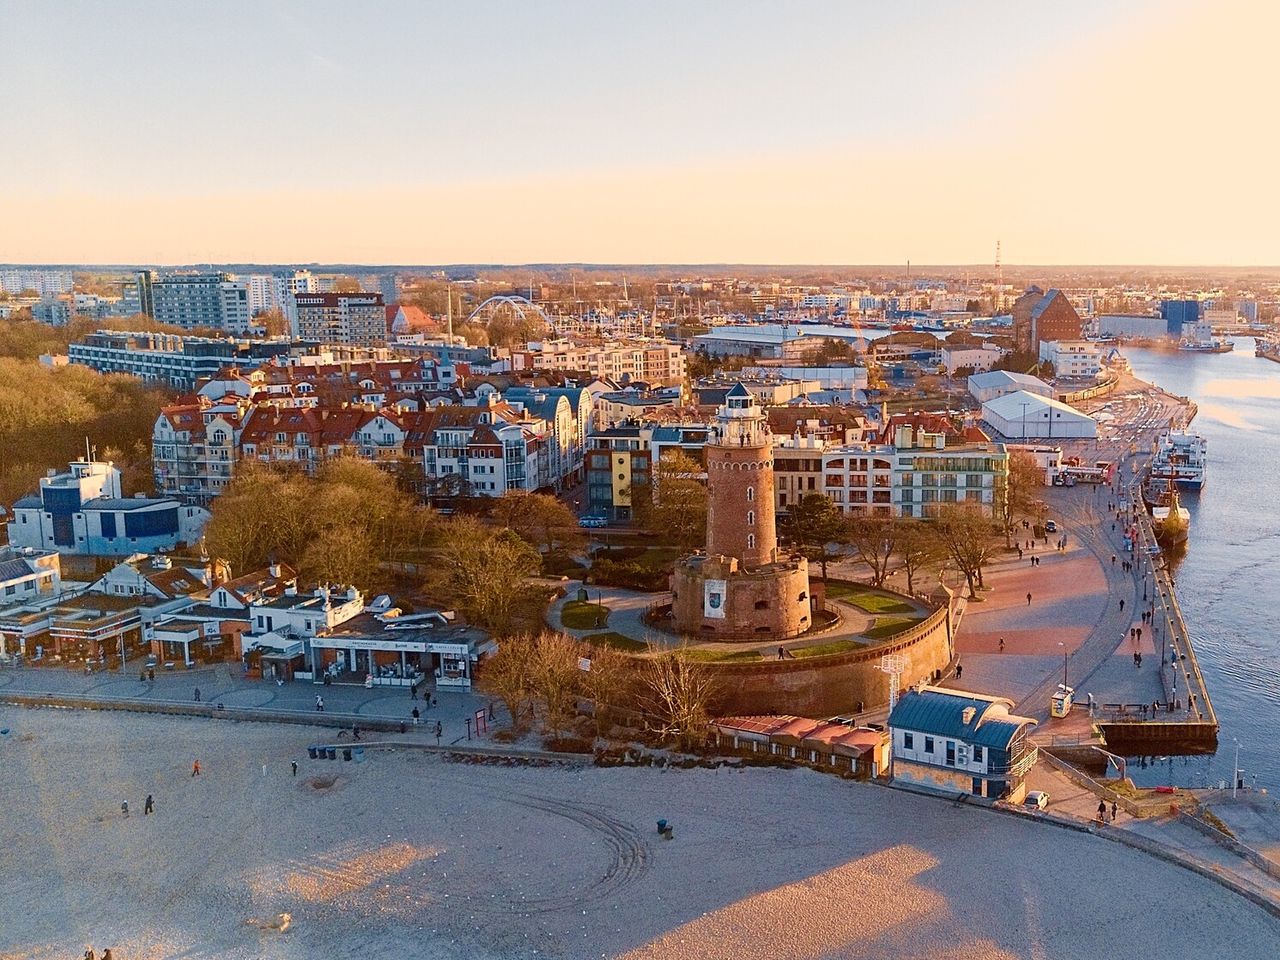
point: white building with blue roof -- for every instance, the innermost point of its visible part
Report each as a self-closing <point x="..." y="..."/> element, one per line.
<point x="955" y="741"/>
<point x="82" y="511"/>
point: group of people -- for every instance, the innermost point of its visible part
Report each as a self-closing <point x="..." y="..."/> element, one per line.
<point x="89" y="954"/>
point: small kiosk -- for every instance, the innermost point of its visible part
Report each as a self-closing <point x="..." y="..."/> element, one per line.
<point x="1063" y="697"/>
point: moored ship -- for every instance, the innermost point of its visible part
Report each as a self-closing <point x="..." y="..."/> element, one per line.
<point x="1180" y="458"/>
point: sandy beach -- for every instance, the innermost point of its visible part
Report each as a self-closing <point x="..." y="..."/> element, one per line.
<point x="406" y="855"/>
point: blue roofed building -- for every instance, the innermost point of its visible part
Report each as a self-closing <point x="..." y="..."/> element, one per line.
<point x="82" y="511"/>
<point x="954" y="741"/>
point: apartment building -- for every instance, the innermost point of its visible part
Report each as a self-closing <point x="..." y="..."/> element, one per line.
<point x="1074" y="359"/>
<point x="214" y="300"/>
<point x="178" y="361"/>
<point x="46" y="283"/>
<point x="358" y="319"/>
<point x="652" y="362"/>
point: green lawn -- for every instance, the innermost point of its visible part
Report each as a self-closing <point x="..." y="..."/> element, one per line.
<point x="617" y="641"/>
<point x="822" y="649"/>
<point x="866" y="598"/>
<point x="578" y="615"/>
<point x="889" y="626"/>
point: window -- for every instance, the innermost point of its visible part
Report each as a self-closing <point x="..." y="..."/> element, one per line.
<point x="751" y="494"/>
<point x="909" y="741"/>
<point x="751" y="518"/>
<point x="762" y="604"/>
<point x="951" y="753"/>
<point x="751" y="541"/>
<point x="977" y="754"/>
<point x="928" y="744"/>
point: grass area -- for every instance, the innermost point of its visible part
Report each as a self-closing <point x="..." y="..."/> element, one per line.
<point x="889" y="626"/>
<point x="822" y="649"/>
<point x="616" y="640"/>
<point x="705" y="655"/>
<point x="581" y="615"/>
<point x="866" y="598"/>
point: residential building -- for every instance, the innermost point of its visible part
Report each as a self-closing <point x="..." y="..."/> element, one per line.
<point x="82" y="512"/>
<point x="359" y="319"/>
<point x="45" y="283"/>
<point x="1040" y="316"/>
<point x="623" y="406"/>
<point x="215" y="301"/>
<point x="570" y="412"/>
<point x="959" y="742"/>
<point x="973" y="357"/>
<point x="998" y="383"/>
<point x="1073" y="359"/>
<point x="1023" y="415"/>
<point x="932" y="469"/>
<point x="178" y="361"/>
<point x="55" y="311"/>
<point x="653" y="362"/>
<point x="827" y="744"/>
<point x="26" y="572"/>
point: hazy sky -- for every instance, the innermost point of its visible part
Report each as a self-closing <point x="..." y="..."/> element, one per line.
<point x="785" y="132"/>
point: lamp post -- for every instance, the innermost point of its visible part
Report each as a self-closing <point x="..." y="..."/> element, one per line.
<point x="1064" y="663"/>
<point x="1235" y="770"/>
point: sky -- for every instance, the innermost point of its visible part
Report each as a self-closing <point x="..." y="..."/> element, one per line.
<point x="703" y="131"/>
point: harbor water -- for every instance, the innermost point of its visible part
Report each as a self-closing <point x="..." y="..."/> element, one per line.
<point x="1229" y="581"/>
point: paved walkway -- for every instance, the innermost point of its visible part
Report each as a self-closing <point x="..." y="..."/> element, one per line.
<point x="226" y="684"/>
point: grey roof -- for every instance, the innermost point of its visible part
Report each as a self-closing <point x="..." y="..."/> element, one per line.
<point x="941" y="712"/>
<point x="738" y="390"/>
<point x="14" y="569"/>
<point x="998" y="378"/>
<point x="29" y="501"/>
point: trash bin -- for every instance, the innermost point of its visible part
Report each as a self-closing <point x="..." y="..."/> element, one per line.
<point x="662" y="826"/>
<point x="359" y="753"/>
<point x="331" y="753"/>
<point x="346" y="753"/>
<point x="311" y="752"/>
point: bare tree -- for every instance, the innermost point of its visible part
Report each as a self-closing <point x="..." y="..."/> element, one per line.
<point x="1019" y="496"/>
<point x="508" y="676"/>
<point x="555" y="678"/>
<point x="485" y="571"/>
<point x="608" y="682"/>
<point x="970" y="538"/>
<point x="543" y="521"/>
<point x="675" y="507"/>
<point x="873" y="538"/>
<point x="918" y="549"/>
<point x="679" y="692"/>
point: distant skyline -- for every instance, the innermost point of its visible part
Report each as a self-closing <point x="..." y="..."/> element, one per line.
<point x="145" y="131"/>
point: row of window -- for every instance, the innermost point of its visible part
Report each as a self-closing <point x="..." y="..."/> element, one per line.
<point x="909" y="743"/>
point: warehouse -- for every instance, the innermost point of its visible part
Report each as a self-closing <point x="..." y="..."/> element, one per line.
<point x="1024" y="415"/>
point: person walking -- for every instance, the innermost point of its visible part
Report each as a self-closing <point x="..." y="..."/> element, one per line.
<point x="959" y="670"/>
<point x="1114" y="810"/>
<point x="416" y="716"/>
<point x="1028" y="598"/>
<point x="319" y="704"/>
<point x="294" y="765"/>
<point x="197" y="694"/>
<point x="355" y="731"/>
<point x="149" y="807"/>
<point x="439" y="732"/>
<point x="195" y="769"/>
<point x="1002" y="644"/>
<point x="1122" y="604"/>
<point x="124" y="808"/>
<point x="413" y="691"/>
<point x="1102" y="811"/>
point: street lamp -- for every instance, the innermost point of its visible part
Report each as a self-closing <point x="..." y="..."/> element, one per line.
<point x="1064" y="662"/>
<point x="1235" y="770"/>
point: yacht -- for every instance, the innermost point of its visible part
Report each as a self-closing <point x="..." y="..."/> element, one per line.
<point x="1180" y="458"/>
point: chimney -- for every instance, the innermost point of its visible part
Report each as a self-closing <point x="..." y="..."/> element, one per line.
<point x="273" y="570"/>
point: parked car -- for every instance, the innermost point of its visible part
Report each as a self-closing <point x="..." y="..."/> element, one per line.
<point x="1051" y="526"/>
<point x="593" y="520"/>
<point x="1036" y="799"/>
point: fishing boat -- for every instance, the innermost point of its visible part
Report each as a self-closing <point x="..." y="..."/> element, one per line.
<point x="1171" y="520"/>
<point x="1213" y="345"/>
<point x="1267" y="347"/>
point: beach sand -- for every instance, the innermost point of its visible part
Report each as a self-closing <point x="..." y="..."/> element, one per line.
<point x="407" y="856"/>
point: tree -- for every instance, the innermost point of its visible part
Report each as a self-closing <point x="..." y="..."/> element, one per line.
<point x="675" y="507"/>
<point x="507" y="675"/>
<point x="609" y="682"/>
<point x="873" y="538"/>
<point x="813" y="524"/>
<point x="274" y="323"/>
<point x="556" y="678"/>
<point x="918" y="549"/>
<point x="969" y="537"/>
<point x="678" y="694"/>
<point x="541" y="520"/>
<point x="484" y="571"/>
<point x="1019" y="498"/>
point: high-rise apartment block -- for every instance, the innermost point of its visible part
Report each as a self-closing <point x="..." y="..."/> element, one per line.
<point x="358" y="319"/>
<point x="46" y="283"/>
<point x="189" y="300"/>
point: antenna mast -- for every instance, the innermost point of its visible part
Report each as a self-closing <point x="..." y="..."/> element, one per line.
<point x="999" y="297"/>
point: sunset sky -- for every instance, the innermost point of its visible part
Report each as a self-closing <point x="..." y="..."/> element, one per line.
<point x="848" y="132"/>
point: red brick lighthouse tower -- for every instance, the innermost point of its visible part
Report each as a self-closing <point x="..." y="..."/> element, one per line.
<point x="740" y="517"/>
<point x="740" y="589"/>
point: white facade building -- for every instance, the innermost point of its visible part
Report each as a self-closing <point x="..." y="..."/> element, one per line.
<point x="977" y="358"/>
<point x="999" y="383"/>
<point x="1023" y="415"/>
<point x="1073" y="359"/>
